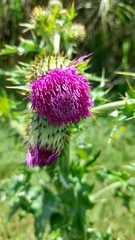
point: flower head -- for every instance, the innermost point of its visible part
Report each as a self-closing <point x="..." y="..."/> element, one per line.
<point x="45" y="142"/>
<point x="61" y="95"/>
<point x="40" y="156"/>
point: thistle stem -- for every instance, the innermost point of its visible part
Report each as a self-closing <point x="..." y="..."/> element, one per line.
<point x="65" y="159"/>
<point x="112" y="105"/>
<point x="56" y="43"/>
<point x="104" y="190"/>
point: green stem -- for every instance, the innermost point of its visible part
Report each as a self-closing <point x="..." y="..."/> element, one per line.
<point x="113" y="105"/>
<point x="56" y="43"/>
<point x="105" y="189"/>
<point x="65" y="158"/>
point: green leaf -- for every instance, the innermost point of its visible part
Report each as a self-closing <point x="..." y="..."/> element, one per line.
<point x="24" y="88"/>
<point x="28" y="26"/>
<point x="26" y="46"/>
<point x="130" y="74"/>
<point x="95" y="157"/>
<point x="72" y="13"/>
<point x="8" y="50"/>
<point x="4" y="105"/>
<point x="56" y="221"/>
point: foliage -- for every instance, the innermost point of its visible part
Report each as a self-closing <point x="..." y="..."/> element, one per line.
<point x="62" y="200"/>
<point x="51" y="29"/>
<point x="110" y="34"/>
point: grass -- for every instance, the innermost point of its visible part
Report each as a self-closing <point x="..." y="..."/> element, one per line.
<point x="110" y="213"/>
<point x="11" y="153"/>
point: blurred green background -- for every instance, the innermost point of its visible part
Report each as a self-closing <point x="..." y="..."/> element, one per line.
<point x="96" y="196"/>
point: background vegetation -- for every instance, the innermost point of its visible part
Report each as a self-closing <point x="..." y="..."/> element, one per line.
<point x="94" y="197"/>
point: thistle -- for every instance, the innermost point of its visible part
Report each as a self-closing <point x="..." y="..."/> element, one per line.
<point x="45" y="141"/>
<point x="59" y="96"/>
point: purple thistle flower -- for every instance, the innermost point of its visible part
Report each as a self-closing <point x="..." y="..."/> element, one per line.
<point x="45" y="142"/>
<point x="40" y="156"/>
<point x="61" y="95"/>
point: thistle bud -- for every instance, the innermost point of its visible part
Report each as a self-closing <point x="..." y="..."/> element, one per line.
<point x="45" y="141"/>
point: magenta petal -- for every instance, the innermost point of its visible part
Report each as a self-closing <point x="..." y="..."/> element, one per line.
<point x="80" y="59"/>
<point x="62" y="96"/>
<point x="40" y="157"/>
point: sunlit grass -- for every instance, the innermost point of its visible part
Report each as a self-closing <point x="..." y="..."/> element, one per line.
<point x="12" y="151"/>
